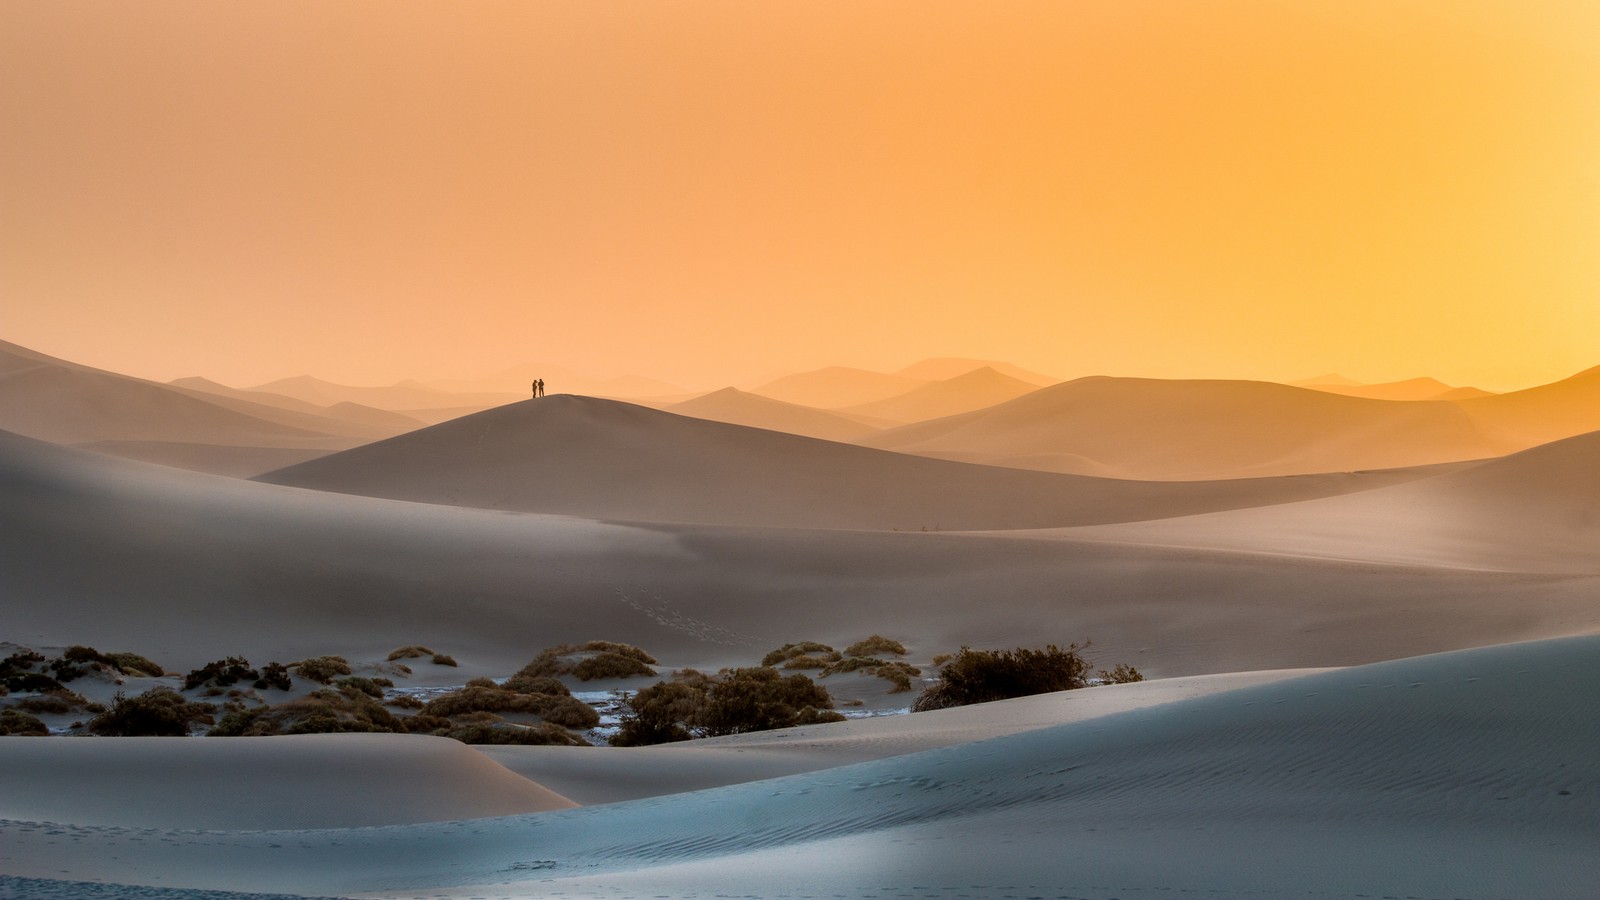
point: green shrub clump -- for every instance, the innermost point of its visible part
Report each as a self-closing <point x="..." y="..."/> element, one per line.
<point x="222" y="673"/>
<point x="158" y="712"/>
<point x="274" y="675"/>
<point x="15" y="722"/>
<point x="981" y="676"/>
<point x="734" y="701"/>
<point x="803" y="648"/>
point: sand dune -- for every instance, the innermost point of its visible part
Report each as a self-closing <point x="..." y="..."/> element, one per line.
<point x="1147" y="428"/>
<point x="977" y="389"/>
<point x="604" y="459"/>
<point x="1534" y="511"/>
<point x="562" y="380"/>
<point x="1466" y="774"/>
<point x="736" y="407"/>
<point x="401" y="396"/>
<point x="384" y="423"/>
<point x="944" y="368"/>
<point x="1409" y="389"/>
<point x="60" y="401"/>
<point x="298" y="781"/>
<point x="836" y="387"/>
<point x="1540" y="414"/>
<point x="187" y="568"/>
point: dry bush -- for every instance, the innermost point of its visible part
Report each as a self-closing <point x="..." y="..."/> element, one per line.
<point x="1122" y="674"/>
<point x="790" y="651"/>
<point x="323" y="711"/>
<point x="274" y="675"/>
<point x="621" y="649"/>
<point x="221" y="673"/>
<point x="405" y="701"/>
<point x="17" y="723"/>
<point x="875" y="645"/>
<point x="981" y="676"/>
<point x="58" y="702"/>
<point x="444" y="659"/>
<point x="409" y="651"/>
<point x="807" y="661"/>
<point x="135" y="665"/>
<point x="610" y="665"/>
<point x="361" y="685"/>
<point x="542" y="684"/>
<point x="734" y="701"/>
<point x="160" y="711"/>
<point x="559" y="709"/>
<point x="322" y="669"/>
<point x="896" y="672"/>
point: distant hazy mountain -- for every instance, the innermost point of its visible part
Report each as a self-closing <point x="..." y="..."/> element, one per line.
<point x="976" y="389"/>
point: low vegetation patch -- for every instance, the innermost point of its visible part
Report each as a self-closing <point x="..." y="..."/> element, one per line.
<point x="58" y="702"/>
<point x="15" y="722"/>
<point x="322" y="669"/>
<point x="876" y="645"/>
<point x="538" y="734"/>
<point x="221" y="673"/>
<point x="981" y="676"/>
<point x="323" y="711"/>
<point x="734" y="701"/>
<point x="558" y="709"/>
<point x="589" y="662"/>
<point x="158" y="712"/>
<point x="897" y="672"/>
<point x="410" y="651"/>
<point x="803" y="648"/>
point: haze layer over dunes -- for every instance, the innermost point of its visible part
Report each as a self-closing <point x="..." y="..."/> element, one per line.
<point x="186" y="567"/>
<point x="1147" y="428"/>
<point x="611" y="460"/>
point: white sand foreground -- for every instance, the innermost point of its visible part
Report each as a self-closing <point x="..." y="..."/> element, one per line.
<point x="1468" y="774"/>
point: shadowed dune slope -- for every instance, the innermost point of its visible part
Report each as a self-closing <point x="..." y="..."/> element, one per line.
<point x="836" y="386"/>
<point x="1540" y="414"/>
<point x="187" y="568"/>
<point x="298" y="781"/>
<point x="606" y="459"/>
<point x="379" y="422"/>
<point x="737" y="407"/>
<point x="1533" y="511"/>
<point x="1468" y="775"/>
<point x="1147" y="428"/>
<point x="977" y="389"/>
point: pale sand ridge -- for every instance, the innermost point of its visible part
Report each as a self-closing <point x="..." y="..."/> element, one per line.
<point x="977" y="389"/>
<point x="737" y="407"/>
<point x="1467" y="774"/>
<point x="835" y="386"/>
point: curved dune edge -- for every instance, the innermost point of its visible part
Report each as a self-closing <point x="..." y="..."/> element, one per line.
<point x="297" y="781"/>
<point x="1466" y="774"/>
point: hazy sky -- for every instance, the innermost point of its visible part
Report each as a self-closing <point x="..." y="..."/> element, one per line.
<point x="710" y="191"/>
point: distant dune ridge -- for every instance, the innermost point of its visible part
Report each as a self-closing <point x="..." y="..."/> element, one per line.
<point x="1409" y="389"/>
<point x="836" y="387"/>
<point x="977" y="389"/>
<point x="606" y="459"/>
<point x="737" y="407"/>
<point x="1148" y="428"/>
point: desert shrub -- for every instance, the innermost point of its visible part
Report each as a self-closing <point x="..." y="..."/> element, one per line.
<point x="875" y="645"/>
<point x="1122" y="674"/>
<point x="18" y="723"/>
<point x="662" y="713"/>
<point x="897" y="672"/>
<point x="32" y="682"/>
<point x="559" y="709"/>
<point x="733" y="701"/>
<point x="360" y="685"/>
<point x="58" y="702"/>
<point x="322" y="711"/>
<point x="540" y="734"/>
<point x="135" y="665"/>
<point x="536" y="685"/>
<point x="274" y="675"/>
<point x="790" y="651"/>
<point x="221" y="673"/>
<point x="160" y="711"/>
<point x="410" y="651"/>
<point x="940" y="659"/>
<point x="422" y="723"/>
<point x="628" y="650"/>
<point x="482" y="682"/>
<point x="444" y="659"/>
<point x="980" y="676"/>
<point x="322" y="669"/>
<point x="807" y="661"/>
<point x="405" y="701"/>
<point x="610" y="665"/>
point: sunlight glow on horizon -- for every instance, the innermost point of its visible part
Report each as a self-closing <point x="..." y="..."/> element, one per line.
<point x="709" y="193"/>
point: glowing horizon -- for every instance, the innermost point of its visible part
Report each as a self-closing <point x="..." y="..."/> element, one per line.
<point x="710" y="193"/>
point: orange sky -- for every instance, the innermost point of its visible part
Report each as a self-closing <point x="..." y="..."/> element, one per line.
<point x="711" y="191"/>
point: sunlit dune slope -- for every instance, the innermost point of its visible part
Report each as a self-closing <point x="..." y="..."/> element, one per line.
<point x="943" y="368"/>
<point x="973" y="390"/>
<point x="188" y="568"/>
<point x="835" y="387"/>
<point x="737" y="407"/>
<point x="1147" y="428"/>
<point x="1540" y="414"/>
<point x="1533" y="511"/>
<point x="1410" y="389"/>
<point x="605" y="459"/>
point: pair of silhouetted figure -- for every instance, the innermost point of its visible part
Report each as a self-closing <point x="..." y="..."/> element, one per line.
<point x="538" y="387"/>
